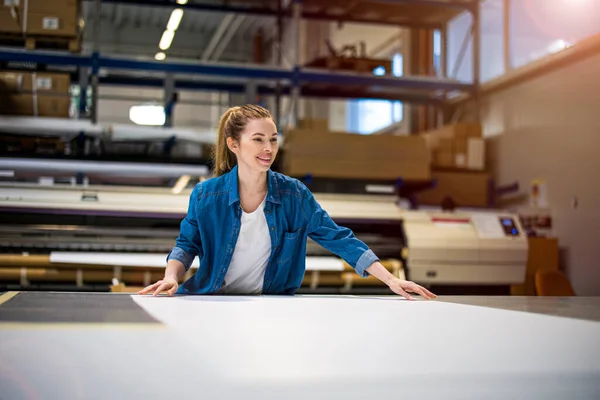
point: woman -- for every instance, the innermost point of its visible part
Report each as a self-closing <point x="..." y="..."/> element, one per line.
<point x="249" y="225"/>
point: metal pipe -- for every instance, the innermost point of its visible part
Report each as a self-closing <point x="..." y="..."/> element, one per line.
<point x="463" y="51"/>
<point x="106" y="168"/>
<point x="224" y="42"/>
<point x="216" y="38"/>
<point x="95" y="60"/>
<point x="157" y="100"/>
<point x="507" y="58"/>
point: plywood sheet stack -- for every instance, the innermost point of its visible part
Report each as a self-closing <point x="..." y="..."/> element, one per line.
<point x="54" y="23"/>
<point x="34" y="94"/>
<point x="342" y="155"/>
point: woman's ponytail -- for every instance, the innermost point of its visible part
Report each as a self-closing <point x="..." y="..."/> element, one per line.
<point x="231" y="125"/>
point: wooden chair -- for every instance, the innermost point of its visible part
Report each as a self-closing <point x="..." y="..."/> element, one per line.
<point x="553" y="283"/>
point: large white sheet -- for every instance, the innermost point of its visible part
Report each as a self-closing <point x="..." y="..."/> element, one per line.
<point x="308" y="340"/>
<point x="307" y="347"/>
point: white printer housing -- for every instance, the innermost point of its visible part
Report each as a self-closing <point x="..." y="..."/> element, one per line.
<point x="465" y="248"/>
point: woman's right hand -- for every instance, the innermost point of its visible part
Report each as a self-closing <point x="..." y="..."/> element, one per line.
<point x="169" y="285"/>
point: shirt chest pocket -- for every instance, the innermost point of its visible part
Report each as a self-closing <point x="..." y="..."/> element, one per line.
<point x="290" y="244"/>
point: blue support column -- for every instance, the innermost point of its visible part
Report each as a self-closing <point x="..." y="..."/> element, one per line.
<point x="83" y="85"/>
<point x="169" y="99"/>
<point x="94" y="81"/>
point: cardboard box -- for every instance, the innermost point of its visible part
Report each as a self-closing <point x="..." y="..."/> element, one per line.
<point x="51" y="6"/>
<point x="34" y="94"/>
<point x="9" y="23"/>
<point x="351" y="156"/>
<point x="444" y="158"/>
<point x="12" y="82"/>
<point x="52" y="24"/>
<point x="458" y="146"/>
<point x="321" y="124"/>
<point x="40" y="17"/>
<point x="17" y="81"/>
<point x="467" y="189"/>
<point x="40" y="106"/>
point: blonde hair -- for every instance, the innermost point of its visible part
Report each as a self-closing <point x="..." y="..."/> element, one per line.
<point x="232" y="123"/>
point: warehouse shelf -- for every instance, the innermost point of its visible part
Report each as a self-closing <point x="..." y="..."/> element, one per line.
<point x="98" y="68"/>
<point x="432" y="14"/>
<point x="312" y="82"/>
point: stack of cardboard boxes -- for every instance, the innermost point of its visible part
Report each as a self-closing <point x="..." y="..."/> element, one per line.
<point x="457" y="146"/>
<point x="40" y="17"/>
<point x="458" y="167"/>
<point x="453" y="156"/>
<point x="320" y="153"/>
<point x="33" y="22"/>
<point x="38" y="94"/>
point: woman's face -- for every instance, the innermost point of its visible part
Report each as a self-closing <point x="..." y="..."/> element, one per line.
<point x="258" y="145"/>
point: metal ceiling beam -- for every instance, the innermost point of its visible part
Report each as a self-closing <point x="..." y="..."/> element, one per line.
<point x="216" y="38"/>
<point x="227" y="37"/>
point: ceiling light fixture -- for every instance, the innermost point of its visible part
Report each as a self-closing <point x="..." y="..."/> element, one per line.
<point x="166" y="39"/>
<point x="175" y="19"/>
<point x="160" y="56"/>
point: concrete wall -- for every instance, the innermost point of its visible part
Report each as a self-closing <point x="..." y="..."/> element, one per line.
<point x="549" y="128"/>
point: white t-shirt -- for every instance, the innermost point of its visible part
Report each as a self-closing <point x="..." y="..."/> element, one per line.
<point x="251" y="254"/>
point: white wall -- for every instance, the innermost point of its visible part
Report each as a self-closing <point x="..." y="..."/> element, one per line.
<point x="549" y="128"/>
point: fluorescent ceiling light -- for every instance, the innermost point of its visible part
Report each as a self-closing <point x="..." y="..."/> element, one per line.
<point x="160" y="56"/>
<point x="175" y="19"/>
<point x="166" y="39"/>
<point x="147" y="114"/>
<point x="182" y="1"/>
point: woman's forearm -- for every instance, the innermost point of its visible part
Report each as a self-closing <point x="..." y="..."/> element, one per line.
<point x="175" y="270"/>
<point x="380" y="272"/>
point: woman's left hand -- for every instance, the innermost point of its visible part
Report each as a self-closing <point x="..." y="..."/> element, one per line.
<point x="403" y="288"/>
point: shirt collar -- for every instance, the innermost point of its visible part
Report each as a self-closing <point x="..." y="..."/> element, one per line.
<point x="272" y="191"/>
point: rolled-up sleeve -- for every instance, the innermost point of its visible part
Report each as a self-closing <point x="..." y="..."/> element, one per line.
<point x="340" y="240"/>
<point x="188" y="244"/>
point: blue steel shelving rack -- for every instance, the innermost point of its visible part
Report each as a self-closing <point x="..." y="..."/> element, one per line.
<point x="297" y="79"/>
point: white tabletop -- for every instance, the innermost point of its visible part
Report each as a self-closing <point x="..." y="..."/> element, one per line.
<point x="308" y="347"/>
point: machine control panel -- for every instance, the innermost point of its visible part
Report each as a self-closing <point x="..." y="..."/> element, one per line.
<point x="509" y="226"/>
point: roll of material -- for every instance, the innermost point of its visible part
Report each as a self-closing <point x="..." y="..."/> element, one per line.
<point x="70" y="128"/>
<point x="122" y="132"/>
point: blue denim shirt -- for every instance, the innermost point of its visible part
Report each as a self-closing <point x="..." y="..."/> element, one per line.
<point x="212" y="225"/>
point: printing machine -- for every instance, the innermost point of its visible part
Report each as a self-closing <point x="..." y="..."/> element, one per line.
<point x="437" y="248"/>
